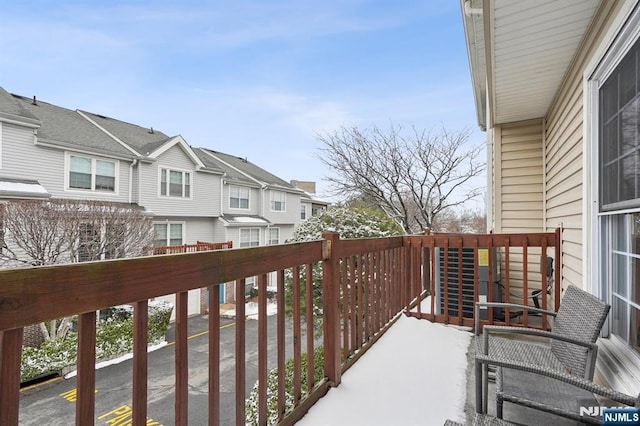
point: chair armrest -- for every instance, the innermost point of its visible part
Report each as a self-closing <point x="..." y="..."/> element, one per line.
<point x="497" y="329"/>
<point x="479" y="305"/>
<point x="567" y="378"/>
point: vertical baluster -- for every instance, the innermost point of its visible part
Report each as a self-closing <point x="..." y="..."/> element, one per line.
<point x="296" y="335"/>
<point x="140" y="338"/>
<point x="310" y="330"/>
<point x="214" y="355"/>
<point x="240" y="353"/>
<point x="10" y="356"/>
<point x="86" y="378"/>
<point x="181" y="360"/>
<point x="281" y="344"/>
<point x="262" y="349"/>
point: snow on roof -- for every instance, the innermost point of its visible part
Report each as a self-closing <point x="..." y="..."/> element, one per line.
<point x="23" y="189"/>
<point x="245" y="219"/>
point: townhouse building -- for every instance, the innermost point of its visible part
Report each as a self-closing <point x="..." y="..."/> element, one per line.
<point x="190" y="194"/>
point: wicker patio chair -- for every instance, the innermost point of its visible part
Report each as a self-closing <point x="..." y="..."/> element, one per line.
<point x="571" y="347"/>
<point x="482" y="420"/>
<point x="556" y="392"/>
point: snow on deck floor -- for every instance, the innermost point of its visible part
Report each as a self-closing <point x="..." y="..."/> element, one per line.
<point x="414" y="375"/>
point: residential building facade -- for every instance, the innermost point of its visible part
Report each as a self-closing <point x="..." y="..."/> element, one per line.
<point x="191" y="194"/>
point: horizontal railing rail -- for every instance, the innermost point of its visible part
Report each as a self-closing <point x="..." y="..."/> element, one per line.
<point x="190" y="248"/>
<point x="348" y="291"/>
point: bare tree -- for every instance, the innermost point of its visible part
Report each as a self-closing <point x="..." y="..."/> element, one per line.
<point x="412" y="178"/>
<point x="36" y="233"/>
<point x="464" y="221"/>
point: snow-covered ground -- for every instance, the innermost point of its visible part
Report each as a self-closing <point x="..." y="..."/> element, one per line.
<point x="414" y="375"/>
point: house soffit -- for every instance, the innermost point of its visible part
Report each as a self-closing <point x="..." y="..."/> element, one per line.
<point x="529" y="48"/>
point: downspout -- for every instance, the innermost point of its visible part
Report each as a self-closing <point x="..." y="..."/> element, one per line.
<point x="490" y="183"/>
<point x="131" y="166"/>
<point x="468" y="10"/>
<point x="222" y="198"/>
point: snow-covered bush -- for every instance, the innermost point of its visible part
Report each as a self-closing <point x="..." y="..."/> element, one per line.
<point x="272" y="388"/>
<point x="114" y="336"/>
<point x="349" y="223"/>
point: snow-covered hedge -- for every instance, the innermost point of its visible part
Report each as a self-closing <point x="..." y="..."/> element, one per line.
<point x="114" y="336"/>
<point x="272" y="388"/>
<point x="349" y="222"/>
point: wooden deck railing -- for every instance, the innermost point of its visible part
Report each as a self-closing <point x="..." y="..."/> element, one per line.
<point x="365" y="285"/>
<point x="510" y="268"/>
<point x="191" y="248"/>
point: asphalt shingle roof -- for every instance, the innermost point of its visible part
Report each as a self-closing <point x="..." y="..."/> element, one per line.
<point x="67" y="128"/>
<point x="9" y="106"/>
<point x="142" y="139"/>
<point x="252" y="170"/>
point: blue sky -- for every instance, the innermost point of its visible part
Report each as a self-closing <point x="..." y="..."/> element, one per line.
<point x="256" y="79"/>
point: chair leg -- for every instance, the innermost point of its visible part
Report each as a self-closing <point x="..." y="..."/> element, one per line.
<point x="479" y="386"/>
<point x="499" y="403"/>
<point x="485" y="387"/>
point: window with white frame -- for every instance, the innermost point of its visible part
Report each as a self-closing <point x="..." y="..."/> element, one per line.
<point x="168" y="234"/>
<point x="249" y="237"/>
<point x="238" y="197"/>
<point x="278" y="201"/>
<point x="91" y="174"/>
<point x="88" y="243"/>
<point x="619" y="194"/>
<point x="175" y="183"/>
<point x="273" y="236"/>
<point x="303" y="212"/>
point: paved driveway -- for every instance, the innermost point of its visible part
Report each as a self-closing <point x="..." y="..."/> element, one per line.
<point x="53" y="403"/>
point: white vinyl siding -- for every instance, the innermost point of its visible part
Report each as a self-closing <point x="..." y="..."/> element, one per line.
<point x="519" y="195"/>
<point x="520" y="207"/>
<point x="570" y="165"/>
<point x="204" y="189"/>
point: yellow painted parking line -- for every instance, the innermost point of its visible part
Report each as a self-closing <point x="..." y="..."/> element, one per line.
<point x="72" y="395"/>
<point x="122" y="416"/>
<point x="35" y="385"/>
<point x="202" y="333"/>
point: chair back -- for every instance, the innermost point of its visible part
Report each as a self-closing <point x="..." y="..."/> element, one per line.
<point x="580" y="316"/>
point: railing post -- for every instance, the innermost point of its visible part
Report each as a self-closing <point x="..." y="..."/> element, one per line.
<point x="330" y="309"/>
<point x="10" y="354"/>
<point x="86" y="378"/>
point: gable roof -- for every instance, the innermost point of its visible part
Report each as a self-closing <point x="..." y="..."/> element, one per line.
<point x="519" y="52"/>
<point x="66" y="128"/>
<point x="11" y="110"/>
<point x="231" y="174"/>
<point x="141" y="139"/>
<point x="242" y="169"/>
